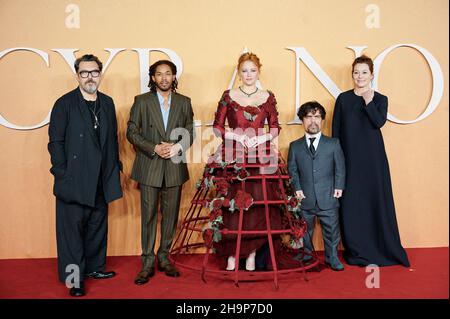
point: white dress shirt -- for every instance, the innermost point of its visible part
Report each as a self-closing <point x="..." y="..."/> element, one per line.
<point x="316" y="141"/>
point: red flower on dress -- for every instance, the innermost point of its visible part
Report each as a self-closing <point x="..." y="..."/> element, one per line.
<point x="299" y="228"/>
<point x="221" y="187"/>
<point x="216" y="204"/>
<point x="226" y="202"/>
<point x="293" y="201"/>
<point x="243" y="200"/>
<point x="242" y="174"/>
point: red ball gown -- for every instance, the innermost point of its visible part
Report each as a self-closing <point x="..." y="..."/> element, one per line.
<point x="247" y="196"/>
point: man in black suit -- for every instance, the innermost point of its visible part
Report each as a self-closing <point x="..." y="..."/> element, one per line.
<point x="317" y="166"/>
<point x="85" y="163"/>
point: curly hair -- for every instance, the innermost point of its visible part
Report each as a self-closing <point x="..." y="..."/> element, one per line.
<point x="152" y="72"/>
<point x="311" y="106"/>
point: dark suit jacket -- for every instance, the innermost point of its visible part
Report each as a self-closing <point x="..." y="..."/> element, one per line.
<point x="146" y="130"/>
<point x="317" y="175"/>
<point x="76" y="154"/>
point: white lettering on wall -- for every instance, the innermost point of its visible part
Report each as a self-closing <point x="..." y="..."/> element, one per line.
<point x="144" y="64"/>
<point x="68" y="56"/>
<point x="301" y="55"/>
<point x="437" y="77"/>
<point x="4" y="121"/>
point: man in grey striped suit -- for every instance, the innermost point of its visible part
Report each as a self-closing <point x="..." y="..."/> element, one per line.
<point x="161" y="129"/>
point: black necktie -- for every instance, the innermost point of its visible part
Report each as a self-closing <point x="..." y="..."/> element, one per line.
<point x="311" y="145"/>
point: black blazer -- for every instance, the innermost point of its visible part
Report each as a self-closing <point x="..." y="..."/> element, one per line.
<point x="76" y="153"/>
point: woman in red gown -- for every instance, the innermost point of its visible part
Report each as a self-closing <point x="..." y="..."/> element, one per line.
<point x="246" y="110"/>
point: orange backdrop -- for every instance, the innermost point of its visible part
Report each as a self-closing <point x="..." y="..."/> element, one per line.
<point x="209" y="35"/>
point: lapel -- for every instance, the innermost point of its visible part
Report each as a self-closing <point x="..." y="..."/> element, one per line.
<point x="155" y="111"/>
<point x="82" y="106"/>
<point x="103" y="118"/>
<point x="305" y="146"/>
<point x="322" y="141"/>
<point x="173" y="114"/>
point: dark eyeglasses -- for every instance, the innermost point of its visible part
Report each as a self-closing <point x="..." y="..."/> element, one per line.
<point x="93" y="73"/>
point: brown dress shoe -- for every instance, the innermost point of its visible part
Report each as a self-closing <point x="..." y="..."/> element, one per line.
<point x="169" y="269"/>
<point x="144" y="276"/>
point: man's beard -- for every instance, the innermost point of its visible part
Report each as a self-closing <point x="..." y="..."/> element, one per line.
<point x="312" y="129"/>
<point x="164" y="89"/>
<point x="91" y="89"/>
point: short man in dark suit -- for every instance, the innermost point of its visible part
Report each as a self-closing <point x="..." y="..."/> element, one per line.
<point x="85" y="163"/>
<point x="317" y="167"/>
<point x="161" y="128"/>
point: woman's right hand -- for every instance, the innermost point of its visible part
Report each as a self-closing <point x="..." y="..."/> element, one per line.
<point x="368" y="96"/>
<point x="240" y="138"/>
<point x="243" y="139"/>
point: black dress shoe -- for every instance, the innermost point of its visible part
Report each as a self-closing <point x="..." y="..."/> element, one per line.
<point x="144" y="276"/>
<point x="100" y="274"/>
<point x="77" y="292"/>
<point x="169" y="269"/>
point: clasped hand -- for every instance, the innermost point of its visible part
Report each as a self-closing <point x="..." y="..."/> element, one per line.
<point x="249" y="142"/>
<point x="167" y="150"/>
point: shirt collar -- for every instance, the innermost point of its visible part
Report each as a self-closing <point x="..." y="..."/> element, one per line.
<point x="161" y="98"/>
<point x="317" y="136"/>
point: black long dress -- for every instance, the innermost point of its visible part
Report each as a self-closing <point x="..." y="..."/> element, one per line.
<point x="368" y="221"/>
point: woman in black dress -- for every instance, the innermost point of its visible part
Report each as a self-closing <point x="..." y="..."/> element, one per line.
<point x="369" y="224"/>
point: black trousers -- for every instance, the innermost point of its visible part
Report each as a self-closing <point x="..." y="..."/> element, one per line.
<point x="81" y="236"/>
